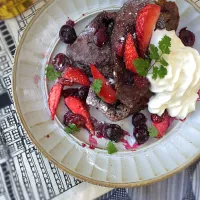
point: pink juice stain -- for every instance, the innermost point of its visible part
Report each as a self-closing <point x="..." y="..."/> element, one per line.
<point x="36" y="80"/>
<point x="171" y="120"/>
<point x="92" y="141"/>
<point x="128" y="146"/>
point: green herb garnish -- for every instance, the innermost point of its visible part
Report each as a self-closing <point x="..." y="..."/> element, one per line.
<point x="51" y="73"/>
<point x="156" y="54"/>
<point x="72" y="128"/>
<point x="153" y="132"/>
<point x="111" y="148"/>
<point x="97" y="85"/>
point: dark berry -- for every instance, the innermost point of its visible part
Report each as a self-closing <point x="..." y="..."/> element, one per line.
<point x="67" y="34"/>
<point x="69" y="92"/>
<point x="65" y="82"/>
<point x="60" y="62"/>
<point x="83" y="93"/>
<point x="140" y="81"/>
<point x="109" y="24"/>
<point x="120" y="48"/>
<point x="187" y="37"/>
<point x="141" y="134"/>
<point x="78" y="120"/>
<point x="128" y="77"/>
<point x="99" y="127"/>
<point x="138" y="118"/>
<point x="70" y="23"/>
<point x="113" y="132"/>
<point x="101" y="36"/>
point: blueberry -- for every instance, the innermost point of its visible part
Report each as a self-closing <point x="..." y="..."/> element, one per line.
<point x="67" y="34"/>
<point x="187" y="37"/>
<point x="113" y="132"/>
<point x="138" y="118"/>
<point x="141" y="134"/>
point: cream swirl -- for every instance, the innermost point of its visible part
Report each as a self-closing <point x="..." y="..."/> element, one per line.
<point x="177" y="92"/>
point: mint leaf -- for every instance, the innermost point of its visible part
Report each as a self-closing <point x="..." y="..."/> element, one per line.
<point x="162" y="72"/>
<point x="97" y="85"/>
<point x="153" y="132"/>
<point x="163" y="62"/>
<point x="72" y="128"/>
<point x="142" y="66"/>
<point x="111" y="148"/>
<point x="165" y="44"/>
<point x="51" y="73"/>
<point x="154" y="55"/>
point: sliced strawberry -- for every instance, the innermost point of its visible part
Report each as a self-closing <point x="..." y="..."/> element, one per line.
<point x="107" y="93"/>
<point x="130" y="53"/>
<point x="145" y="24"/>
<point x="162" y="125"/>
<point x="54" y="98"/>
<point x="76" y="75"/>
<point x="78" y="107"/>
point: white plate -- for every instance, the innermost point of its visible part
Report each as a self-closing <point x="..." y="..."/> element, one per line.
<point x="150" y="163"/>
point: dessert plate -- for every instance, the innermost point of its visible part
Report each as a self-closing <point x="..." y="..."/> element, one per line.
<point x="153" y="162"/>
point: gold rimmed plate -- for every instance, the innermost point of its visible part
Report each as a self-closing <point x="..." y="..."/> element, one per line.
<point x="150" y="163"/>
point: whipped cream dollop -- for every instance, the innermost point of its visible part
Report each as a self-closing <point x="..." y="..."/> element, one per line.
<point x="177" y="92"/>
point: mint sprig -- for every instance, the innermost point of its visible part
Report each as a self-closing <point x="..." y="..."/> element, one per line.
<point x="156" y="53"/>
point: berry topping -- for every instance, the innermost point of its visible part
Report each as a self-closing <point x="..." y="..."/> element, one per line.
<point x="119" y="49"/>
<point x="69" y="92"/>
<point x="145" y="24"/>
<point x="187" y="37"/>
<point x="141" y="134"/>
<point x="113" y="132"/>
<point x="106" y="92"/>
<point x="76" y="75"/>
<point x="99" y="127"/>
<point x="65" y="82"/>
<point x="70" y="23"/>
<point x="67" y="34"/>
<point x="54" y="98"/>
<point x="130" y="54"/>
<point x="162" y="126"/>
<point x="157" y="119"/>
<point x="78" y="107"/>
<point x="83" y="93"/>
<point x="60" y="62"/>
<point x="140" y="81"/>
<point x="101" y="37"/>
<point x="70" y="118"/>
<point x="138" y="119"/>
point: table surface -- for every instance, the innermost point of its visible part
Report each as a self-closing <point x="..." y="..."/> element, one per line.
<point x="26" y="174"/>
